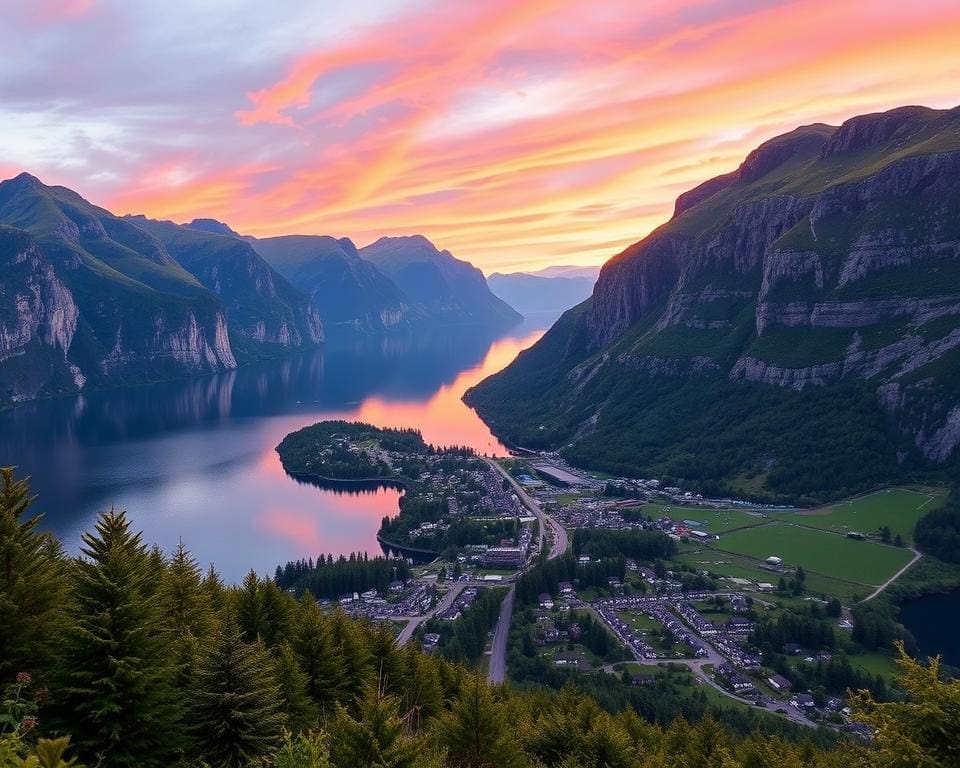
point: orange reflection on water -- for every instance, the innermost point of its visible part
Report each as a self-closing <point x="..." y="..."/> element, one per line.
<point x="444" y="419"/>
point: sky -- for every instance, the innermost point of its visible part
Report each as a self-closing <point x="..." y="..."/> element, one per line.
<point x="515" y="133"/>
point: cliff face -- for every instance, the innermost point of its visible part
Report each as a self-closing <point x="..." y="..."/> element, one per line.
<point x="91" y="300"/>
<point x="261" y="305"/>
<point x="829" y="260"/>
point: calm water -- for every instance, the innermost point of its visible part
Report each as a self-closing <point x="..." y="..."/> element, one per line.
<point x="195" y="459"/>
<point x="934" y="621"/>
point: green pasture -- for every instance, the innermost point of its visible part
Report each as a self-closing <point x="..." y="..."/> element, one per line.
<point x="818" y="551"/>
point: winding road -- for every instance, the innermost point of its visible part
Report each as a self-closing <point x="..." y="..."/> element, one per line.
<point x="917" y="554"/>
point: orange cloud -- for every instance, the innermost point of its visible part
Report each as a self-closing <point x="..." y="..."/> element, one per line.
<point x="514" y="133"/>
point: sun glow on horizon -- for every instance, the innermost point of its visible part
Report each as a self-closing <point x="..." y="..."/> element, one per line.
<point x="514" y="134"/>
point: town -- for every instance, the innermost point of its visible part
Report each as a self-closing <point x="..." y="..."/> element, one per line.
<point x="728" y="573"/>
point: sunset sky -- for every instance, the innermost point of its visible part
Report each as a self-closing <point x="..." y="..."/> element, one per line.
<point x="515" y="133"/>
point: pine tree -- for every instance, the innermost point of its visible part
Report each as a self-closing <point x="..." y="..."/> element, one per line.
<point x="31" y="584"/>
<point x="235" y="714"/>
<point x="422" y="693"/>
<point x="354" y="655"/>
<point x="215" y="591"/>
<point x="476" y="733"/>
<point x="250" y="610"/>
<point x="300" y="711"/>
<point x="114" y="677"/>
<point x="385" y="660"/>
<point x="319" y="659"/>
<point x="376" y="738"/>
<point x="186" y="603"/>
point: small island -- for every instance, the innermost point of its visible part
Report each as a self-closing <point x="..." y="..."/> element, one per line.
<point x="454" y="503"/>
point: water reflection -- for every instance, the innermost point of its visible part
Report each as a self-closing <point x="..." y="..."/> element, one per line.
<point x="195" y="458"/>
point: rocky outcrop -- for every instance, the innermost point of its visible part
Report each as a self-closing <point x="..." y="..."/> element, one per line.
<point x="829" y="261"/>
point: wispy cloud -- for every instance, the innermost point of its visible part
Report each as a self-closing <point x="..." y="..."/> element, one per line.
<point x="513" y="132"/>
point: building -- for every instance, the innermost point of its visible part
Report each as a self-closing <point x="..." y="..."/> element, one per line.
<point x="780" y="683"/>
<point x="503" y="557"/>
<point x="546" y="601"/>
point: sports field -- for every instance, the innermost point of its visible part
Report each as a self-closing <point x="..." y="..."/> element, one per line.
<point x="743" y="567"/>
<point x="710" y="520"/>
<point x="898" y="508"/>
<point x="819" y="551"/>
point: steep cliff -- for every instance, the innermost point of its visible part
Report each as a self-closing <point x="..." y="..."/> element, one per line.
<point x="89" y="299"/>
<point x="452" y="291"/>
<point x="805" y="305"/>
<point x="264" y="311"/>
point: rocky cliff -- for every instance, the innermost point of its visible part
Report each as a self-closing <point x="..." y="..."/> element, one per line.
<point x="89" y="299"/>
<point x="828" y="262"/>
<point x="263" y="308"/>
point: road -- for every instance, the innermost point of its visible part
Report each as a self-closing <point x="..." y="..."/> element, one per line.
<point x="497" y="670"/>
<point x="559" y="533"/>
<point x="713" y="658"/>
<point x="917" y="554"/>
<point x="445" y="602"/>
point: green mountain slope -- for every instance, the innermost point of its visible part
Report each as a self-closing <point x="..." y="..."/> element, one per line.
<point x="792" y="332"/>
<point x="101" y="301"/>
<point x="453" y="291"/>
<point x="264" y="311"/>
<point x="352" y="295"/>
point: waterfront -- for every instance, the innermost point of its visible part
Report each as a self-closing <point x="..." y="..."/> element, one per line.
<point x="195" y="459"/>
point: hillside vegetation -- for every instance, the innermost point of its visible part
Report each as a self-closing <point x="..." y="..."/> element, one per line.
<point x="793" y="332"/>
<point x="124" y="656"/>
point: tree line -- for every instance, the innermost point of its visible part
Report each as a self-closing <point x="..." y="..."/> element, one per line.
<point x="331" y="577"/>
<point x="125" y="656"/>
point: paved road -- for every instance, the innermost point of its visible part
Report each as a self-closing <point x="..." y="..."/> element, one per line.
<point x="559" y="533"/>
<point x="696" y="666"/>
<point x="917" y="554"/>
<point x="497" y="670"/>
<point x="445" y="602"/>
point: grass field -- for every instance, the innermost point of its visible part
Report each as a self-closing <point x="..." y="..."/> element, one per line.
<point x="818" y="551"/>
<point x="711" y="520"/>
<point x="898" y="508"/>
<point x="742" y="567"/>
<point x="638" y="620"/>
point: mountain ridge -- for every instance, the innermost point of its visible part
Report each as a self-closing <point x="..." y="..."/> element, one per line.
<point x="826" y="268"/>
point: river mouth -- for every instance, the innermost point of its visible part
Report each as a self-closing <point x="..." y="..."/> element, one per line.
<point x="934" y="621"/>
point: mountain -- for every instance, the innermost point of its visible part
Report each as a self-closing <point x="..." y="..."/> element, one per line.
<point x="213" y="227"/>
<point x="89" y="299"/>
<point x="544" y="291"/>
<point x="792" y="332"/>
<point x="353" y="296"/>
<point x="452" y="291"/>
<point x="567" y="271"/>
<point x="265" y="313"/>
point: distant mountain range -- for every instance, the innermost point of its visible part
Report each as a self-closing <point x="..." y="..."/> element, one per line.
<point x="89" y="299"/>
<point x="793" y="332"/>
<point x="552" y="289"/>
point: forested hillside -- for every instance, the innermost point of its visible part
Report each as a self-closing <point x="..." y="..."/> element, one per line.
<point x="125" y="656"/>
<point x="791" y="333"/>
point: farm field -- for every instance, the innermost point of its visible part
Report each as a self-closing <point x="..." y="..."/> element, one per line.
<point x="898" y="508"/>
<point x="818" y="551"/>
